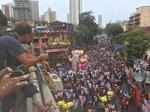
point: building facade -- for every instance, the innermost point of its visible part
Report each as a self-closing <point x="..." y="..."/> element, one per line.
<point x="22" y="10"/>
<point x="7" y="10"/>
<point x="75" y="10"/>
<point x="56" y="42"/>
<point x="60" y="34"/>
<point x="141" y="18"/>
<point x="35" y="10"/>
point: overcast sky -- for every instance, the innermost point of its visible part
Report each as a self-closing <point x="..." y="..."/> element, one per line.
<point x="111" y="10"/>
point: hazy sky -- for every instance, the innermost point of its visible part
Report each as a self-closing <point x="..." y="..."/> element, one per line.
<point x="111" y="10"/>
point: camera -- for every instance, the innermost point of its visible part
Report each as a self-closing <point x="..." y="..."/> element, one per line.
<point x="29" y="90"/>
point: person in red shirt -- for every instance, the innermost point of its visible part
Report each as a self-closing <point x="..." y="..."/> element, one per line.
<point x="137" y="97"/>
<point x="83" y="62"/>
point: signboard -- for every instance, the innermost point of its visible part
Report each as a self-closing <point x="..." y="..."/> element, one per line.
<point x="59" y="41"/>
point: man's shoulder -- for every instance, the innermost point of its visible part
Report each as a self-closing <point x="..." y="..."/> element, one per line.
<point x="7" y="38"/>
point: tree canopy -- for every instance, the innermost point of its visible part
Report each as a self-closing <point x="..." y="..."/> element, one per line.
<point x="3" y="19"/>
<point x="113" y="29"/>
<point x="87" y="29"/>
<point x="135" y="43"/>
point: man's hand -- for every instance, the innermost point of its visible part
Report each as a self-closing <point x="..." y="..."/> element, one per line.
<point x="9" y="84"/>
<point x="5" y="71"/>
<point x="42" y="108"/>
<point x="29" y="60"/>
<point x="43" y="57"/>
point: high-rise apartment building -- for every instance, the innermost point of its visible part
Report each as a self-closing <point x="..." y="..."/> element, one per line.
<point x="49" y="16"/>
<point x="100" y="20"/>
<point x="68" y="18"/>
<point x="7" y="10"/>
<point x="34" y="10"/>
<point x="75" y="10"/>
<point x="141" y="18"/>
<point x="22" y="10"/>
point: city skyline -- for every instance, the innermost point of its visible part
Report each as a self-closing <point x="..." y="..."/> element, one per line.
<point x="111" y="10"/>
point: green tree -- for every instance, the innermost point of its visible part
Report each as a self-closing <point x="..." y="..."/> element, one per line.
<point x="135" y="42"/>
<point x="100" y="30"/>
<point x="3" y="19"/>
<point x="113" y="29"/>
<point x="87" y="29"/>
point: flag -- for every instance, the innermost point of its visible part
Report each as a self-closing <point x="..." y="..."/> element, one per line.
<point x="118" y="46"/>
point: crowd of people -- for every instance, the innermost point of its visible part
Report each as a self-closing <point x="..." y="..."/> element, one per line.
<point x="103" y="83"/>
<point x="99" y="85"/>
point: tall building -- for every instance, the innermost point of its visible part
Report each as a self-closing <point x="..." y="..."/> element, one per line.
<point x="141" y="18"/>
<point x="7" y="10"/>
<point x="22" y="10"/>
<point x="34" y="10"/>
<point x="49" y="16"/>
<point x="68" y="18"/>
<point x="75" y="10"/>
<point x="100" y="20"/>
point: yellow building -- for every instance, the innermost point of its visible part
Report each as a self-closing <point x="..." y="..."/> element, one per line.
<point x="141" y="18"/>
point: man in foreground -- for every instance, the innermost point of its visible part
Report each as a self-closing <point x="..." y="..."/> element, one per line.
<point x="13" y="54"/>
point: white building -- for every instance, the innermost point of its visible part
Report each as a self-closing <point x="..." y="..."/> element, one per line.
<point x="75" y="10"/>
<point x="68" y="18"/>
<point x="49" y="16"/>
<point x="124" y="25"/>
<point x="7" y="10"/>
<point x="100" y="20"/>
<point x="35" y="10"/>
<point x="22" y="10"/>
